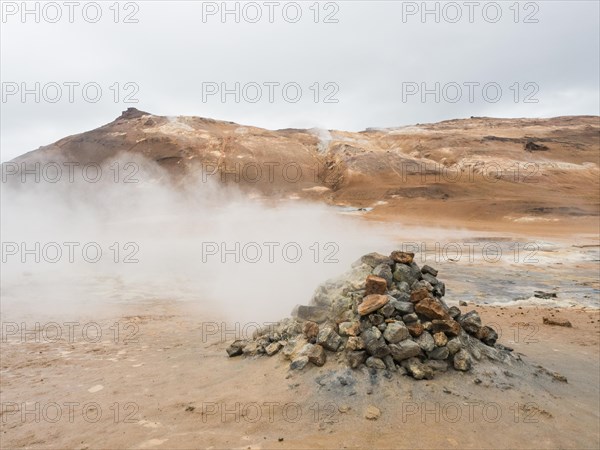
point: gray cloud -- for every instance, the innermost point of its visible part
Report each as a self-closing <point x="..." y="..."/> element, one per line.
<point x="368" y="54"/>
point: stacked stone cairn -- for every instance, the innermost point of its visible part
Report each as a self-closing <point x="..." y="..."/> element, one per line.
<point x="387" y="314"/>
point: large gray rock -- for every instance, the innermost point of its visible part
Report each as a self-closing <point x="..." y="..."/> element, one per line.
<point x="430" y="279"/>
<point x="299" y="363"/>
<point x="404" y="273"/>
<point x="395" y="332"/>
<point x="471" y="322"/>
<point x="425" y="341"/>
<point x="454" y="345"/>
<point x="329" y="339"/>
<point x="430" y="270"/>
<point x="404" y="350"/>
<point x="377" y="348"/>
<point x="439" y="353"/>
<point x="403" y="308"/>
<point x="384" y="271"/>
<point x="235" y="349"/>
<point x="462" y="360"/>
<point x="355" y="359"/>
<point x="487" y="335"/>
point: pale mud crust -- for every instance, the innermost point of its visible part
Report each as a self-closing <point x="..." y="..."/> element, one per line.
<point x="174" y="387"/>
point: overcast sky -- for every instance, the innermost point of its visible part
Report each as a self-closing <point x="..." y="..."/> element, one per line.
<point x="374" y="58"/>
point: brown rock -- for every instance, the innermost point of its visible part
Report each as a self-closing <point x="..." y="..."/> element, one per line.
<point x="402" y="257"/>
<point x="355" y="359"/>
<point x="449" y="327"/>
<point x="372" y="303"/>
<point x="557" y="322"/>
<point x="375" y="285"/>
<point x="310" y="330"/>
<point x="316" y="355"/>
<point x="415" y="329"/>
<point x="419" y="294"/>
<point x="432" y="309"/>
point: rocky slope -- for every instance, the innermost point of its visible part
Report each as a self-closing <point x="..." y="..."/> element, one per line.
<point x="512" y="170"/>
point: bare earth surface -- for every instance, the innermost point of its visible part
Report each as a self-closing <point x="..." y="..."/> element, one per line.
<point x="166" y="382"/>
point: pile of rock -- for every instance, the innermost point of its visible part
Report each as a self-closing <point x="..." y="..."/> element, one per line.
<point x="386" y="313"/>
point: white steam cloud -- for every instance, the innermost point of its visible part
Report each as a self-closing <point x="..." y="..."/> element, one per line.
<point x="201" y="243"/>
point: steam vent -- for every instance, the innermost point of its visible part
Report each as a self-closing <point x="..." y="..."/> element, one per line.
<point x="386" y="313"/>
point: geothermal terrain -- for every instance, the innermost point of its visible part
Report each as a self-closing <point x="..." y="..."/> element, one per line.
<point x="130" y="349"/>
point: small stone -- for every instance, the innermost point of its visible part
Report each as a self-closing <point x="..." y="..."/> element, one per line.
<point x="372" y="303"/>
<point x="415" y="329"/>
<point x="430" y="270"/>
<point x="273" y="348"/>
<point x="440" y="339"/>
<point x="471" y="322"/>
<point x="426" y="342"/>
<point x="556" y="322"/>
<point x="437" y="365"/>
<point x="403" y="307"/>
<point x="299" y="363"/>
<point x="370" y="334"/>
<point x="404" y="273"/>
<point x="558" y="377"/>
<point x="462" y="360"/>
<point x="349" y="328"/>
<point x="376" y="319"/>
<point x="432" y="309"/>
<point x="329" y="339"/>
<point x="417" y="369"/>
<point x="317" y="355"/>
<point x="454" y="312"/>
<point x="355" y="359"/>
<point x="439" y="289"/>
<point x="409" y="318"/>
<point x="235" y="348"/>
<point x="403" y="287"/>
<point x="372" y="413"/>
<point x="395" y="332"/>
<point x="405" y="349"/>
<point x="462" y="303"/>
<point x="375" y="363"/>
<point x="430" y="279"/>
<point x="453" y="345"/>
<point x="355" y="343"/>
<point x="389" y="363"/>
<point x="419" y="294"/>
<point x="487" y="335"/>
<point x="439" y="353"/>
<point x="388" y="310"/>
<point x="382" y="327"/>
<point x="402" y="257"/>
<point x="420" y="284"/>
<point x="428" y="326"/>
<point x="375" y="285"/>
<point x="310" y="329"/>
<point x="377" y="348"/>
<point x="450" y="327"/>
<point x="384" y="271"/>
